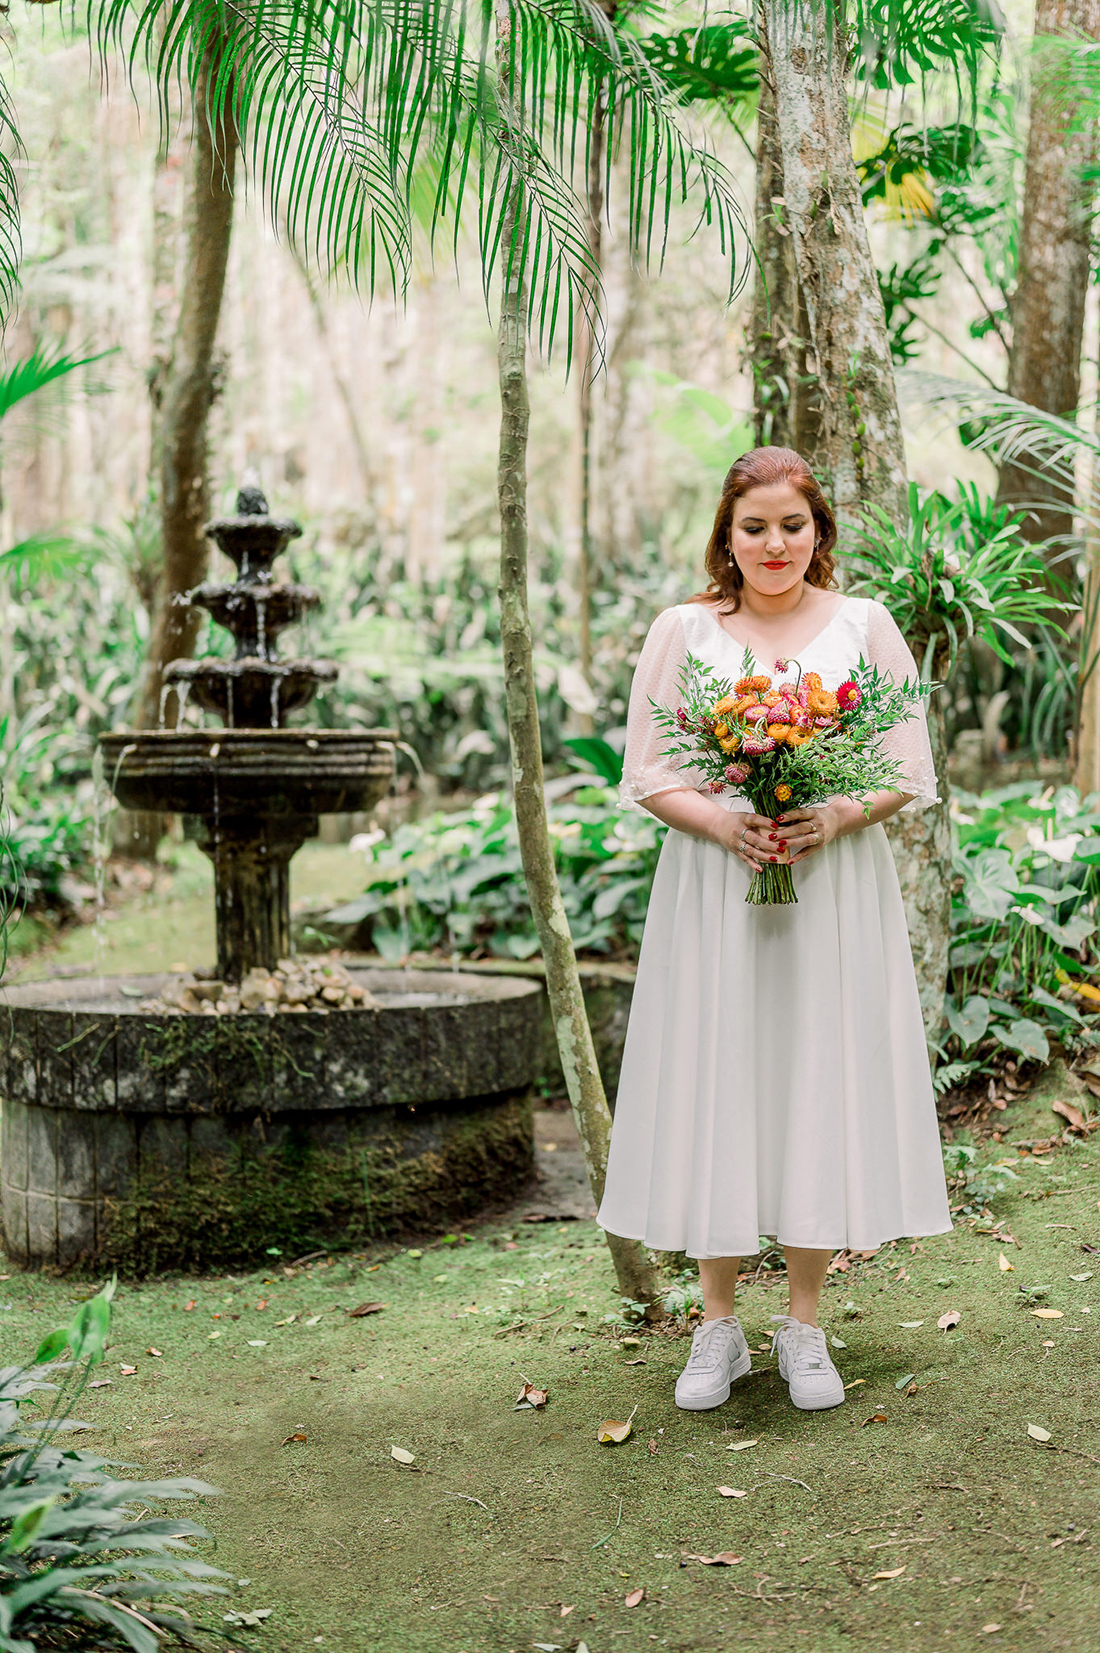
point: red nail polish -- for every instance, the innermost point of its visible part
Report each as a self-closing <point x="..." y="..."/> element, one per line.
<point x="775" y="858"/>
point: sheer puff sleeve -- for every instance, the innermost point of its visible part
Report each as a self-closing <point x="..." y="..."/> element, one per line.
<point x="657" y="675"/>
<point x="907" y="742"/>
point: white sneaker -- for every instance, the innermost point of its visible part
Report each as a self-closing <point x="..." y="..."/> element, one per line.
<point x="805" y="1363"/>
<point x="719" y="1355"/>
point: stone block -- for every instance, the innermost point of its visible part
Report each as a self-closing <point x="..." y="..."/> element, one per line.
<point x="93" y="1062"/>
<point x="351" y="1059"/>
<point x="22" y="1056"/>
<point x="55" y="1062"/>
<point x="298" y="1050"/>
<point x="41" y="1150"/>
<point x="13" y="1216"/>
<point x="399" y="1051"/>
<point x="76" y="1159"/>
<point x="209" y="1139"/>
<point x="139" y="1058"/>
<point x="116" y="1153"/>
<point x="41" y="1228"/>
<point x="190" y="1083"/>
<point x="13" y="1144"/>
<point x="243" y="1061"/>
<point x="76" y="1230"/>
<point x="445" y="1053"/>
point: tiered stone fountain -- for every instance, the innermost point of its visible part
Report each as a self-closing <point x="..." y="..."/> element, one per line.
<point x="137" y="1134"/>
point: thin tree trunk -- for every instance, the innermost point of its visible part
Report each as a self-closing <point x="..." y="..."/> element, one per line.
<point x="636" y="1275"/>
<point x="190" y="388"/>
<point x="1048" y="306"/>
<point x="858" y="452"/>
<point x="1087" y="739"/>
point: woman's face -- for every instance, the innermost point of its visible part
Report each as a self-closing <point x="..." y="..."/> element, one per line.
<point x="773" y="537"/>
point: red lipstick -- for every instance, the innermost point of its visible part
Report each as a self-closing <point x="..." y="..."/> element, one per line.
<point x="775" y="565"/>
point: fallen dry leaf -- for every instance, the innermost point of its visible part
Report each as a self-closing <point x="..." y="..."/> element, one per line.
<point x="742" y="1446"/>
<point x="732" y="1492"/>
<point x="127" y="1371"/>
<point x="1048" y="1314"/>
<point x="635" y="1597"/>
<point x="949" y="1319"/>
<point x="190" y="1305"/>
<point x="988" y="1629"/>
<point x="894" y="1572"/>
<point x="101" y="1383"/>
<point x="725" y="1559"/>
<point x="1038" y="1434"/>
<point x="158" y="1354"/>
<point x="610" y="1431"/>
<point x="531" y="1397"/>
<point x="855" y="1383"/>
<point x="641" y="1361"/>
<point x="1004" y="1263"/>
<point x="298" y="1435"/>
<point x="365" y="1308"/>
<point x="910" y="1325"/>
<point x="565" y="1611"/>
<point x="1073" y="1116"/>
<point x="262" y="1304"/>
<point x="876" y="1417"/>
<point x="400" y="1456"/>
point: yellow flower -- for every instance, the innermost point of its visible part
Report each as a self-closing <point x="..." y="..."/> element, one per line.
<point x="783" y="792"/>
<point x="721" y="730"/>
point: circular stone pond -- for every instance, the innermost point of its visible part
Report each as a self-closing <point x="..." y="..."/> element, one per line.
<point x="147" y="1142"/>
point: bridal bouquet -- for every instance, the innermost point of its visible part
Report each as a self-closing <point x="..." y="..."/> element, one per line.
<point x="789" y="744"/>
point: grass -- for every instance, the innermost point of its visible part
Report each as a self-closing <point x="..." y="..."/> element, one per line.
<point x="505" y="1516"/>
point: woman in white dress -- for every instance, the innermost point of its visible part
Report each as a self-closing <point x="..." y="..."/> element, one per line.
<point x="775" y="1079"/>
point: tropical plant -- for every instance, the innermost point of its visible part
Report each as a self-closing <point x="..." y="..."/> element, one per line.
<point x="944" y="583"/>
<point x="82" y="1561"/>
<point x="1024" y="926"/>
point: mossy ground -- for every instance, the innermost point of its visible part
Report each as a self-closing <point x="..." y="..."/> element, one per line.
<point x="478" y="1546"/>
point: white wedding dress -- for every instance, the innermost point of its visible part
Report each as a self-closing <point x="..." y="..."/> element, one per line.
<point x="774" y="1079"/>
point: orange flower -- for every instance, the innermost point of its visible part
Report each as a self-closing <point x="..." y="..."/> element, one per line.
<point x="721" y="730"/>
<point x="797" y="737"/>
<point x="811" y="680"/>
<point x="744" y="685"/>
<point x="772" y="698"/>
<point x="726" y="704"/>
<point x="729" y="744"/>
<point x="822" y="702"/>
<point x="741" y="706"/>
<point x="783" y="792"/>
<point x="780" y="733"/>
<point x="760" y="683"/>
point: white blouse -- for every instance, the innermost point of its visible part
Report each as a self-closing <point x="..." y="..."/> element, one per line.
<point x="859" y="627"/>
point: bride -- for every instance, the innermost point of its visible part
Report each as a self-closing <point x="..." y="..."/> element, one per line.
<point x="775" y="1079"/>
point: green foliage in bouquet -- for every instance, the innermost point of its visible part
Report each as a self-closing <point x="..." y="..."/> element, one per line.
<point x="82" y="1562"/>
<point x="814" y="745"/>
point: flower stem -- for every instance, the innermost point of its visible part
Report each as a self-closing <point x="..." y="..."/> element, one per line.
<point x="772" y="886"/>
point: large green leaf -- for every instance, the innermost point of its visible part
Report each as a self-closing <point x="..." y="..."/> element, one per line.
<point x="970" y="1020"/>
<point x="1025" y="1036"/>
<point x="991" y="882"/>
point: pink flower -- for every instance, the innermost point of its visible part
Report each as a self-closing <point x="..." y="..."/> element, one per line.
<point x="754" y="714"/>
<point x="790" y="690"/>
<point x="781" y="664"/>
<point x="823" y="722"/>
<point x="681" y="717"/>
<point x="848" y="696"/>
<point x="800" y="717"/>
<point x="803" y="697"/>
<point x="754" y="746"/>
<point x="737" y="773"/>
<point x="717" y="786"/>
<point x="779" y="714"/>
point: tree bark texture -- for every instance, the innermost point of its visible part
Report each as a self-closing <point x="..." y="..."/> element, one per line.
<point x="854" y="442"/>
<point x="858" y="454"/>
<point x="1048" y="305"/>
<point x="636" y="1275"/>
<point x="1086" y="776"/>
<point x="786" y="399"/>
<point x="189" y="389"/>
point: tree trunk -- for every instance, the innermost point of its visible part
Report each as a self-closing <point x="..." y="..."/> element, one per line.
<point x="189" y="389"/>
<point x="1048" y="306"/>
<point x="786" y="403"/>
<point x="857" y="451"/>
<point x="1086" y="776"/>
<point x="636" y="1275"/>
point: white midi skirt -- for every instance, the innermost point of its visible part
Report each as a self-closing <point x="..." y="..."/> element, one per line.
<point x="775" y="1079"/>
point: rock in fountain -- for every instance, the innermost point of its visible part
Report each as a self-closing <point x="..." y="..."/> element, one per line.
<point x="139" y="1135"/>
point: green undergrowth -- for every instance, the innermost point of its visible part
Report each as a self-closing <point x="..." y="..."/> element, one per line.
<point x="926" y="1476"/>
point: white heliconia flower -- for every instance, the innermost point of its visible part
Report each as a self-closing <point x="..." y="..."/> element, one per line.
<point x="1059" y="849"/>
<point x="363" y="842"/>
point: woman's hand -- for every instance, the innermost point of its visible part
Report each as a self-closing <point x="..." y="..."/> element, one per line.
<point x="802" y="832"/>
<point x="752" y="838"/>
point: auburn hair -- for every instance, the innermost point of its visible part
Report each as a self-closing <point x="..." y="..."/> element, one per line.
<point x="763" y="468"/>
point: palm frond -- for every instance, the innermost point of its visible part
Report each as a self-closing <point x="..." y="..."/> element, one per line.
<point x="34" y="372"/>
<point x="1043" y="445"/>
<point x="340" y="103"/>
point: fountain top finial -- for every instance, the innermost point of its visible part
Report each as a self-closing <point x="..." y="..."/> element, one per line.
<point x="251" y="502"/>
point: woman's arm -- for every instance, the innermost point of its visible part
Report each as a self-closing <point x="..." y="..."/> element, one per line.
<point x="804" y="831"/>
<point x="753" y="838"/>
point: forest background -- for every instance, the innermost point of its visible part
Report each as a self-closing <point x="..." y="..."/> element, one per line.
<point x="377" y="424"/>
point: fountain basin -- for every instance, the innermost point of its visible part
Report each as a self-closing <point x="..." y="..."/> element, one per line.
<point x="256" y="614"/>
<point x="149" y="1142"/>
<point x="251" y="771"/>
<point x="251" y="692"/>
